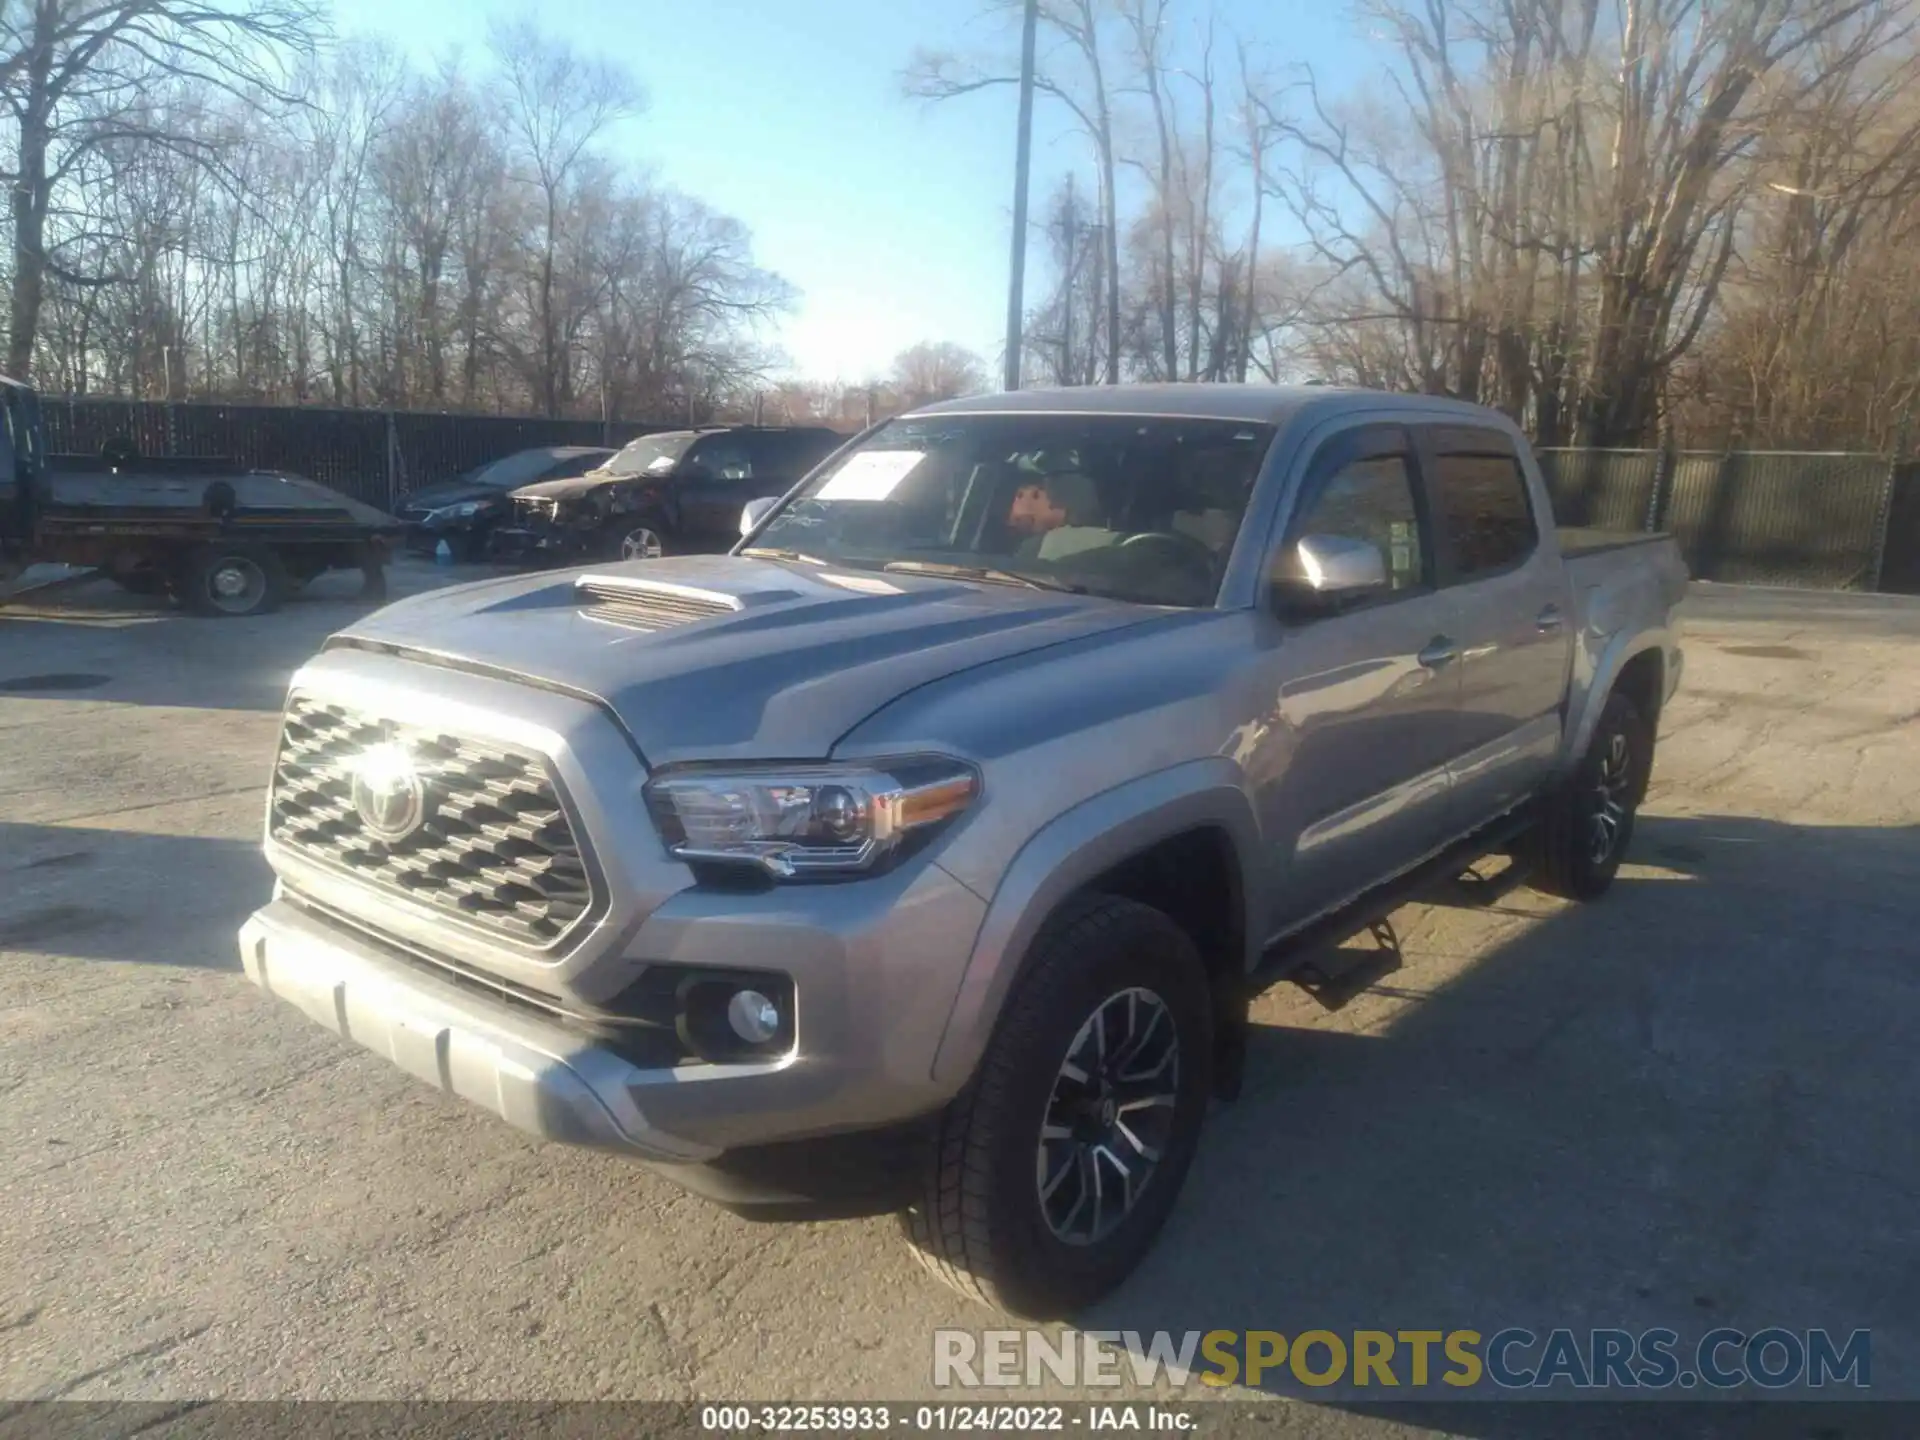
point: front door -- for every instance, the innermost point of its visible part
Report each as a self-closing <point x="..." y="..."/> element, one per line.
<point x="1509" y="601"/>
<point x="714" y="482"/>
<point x="1349" y="769"/>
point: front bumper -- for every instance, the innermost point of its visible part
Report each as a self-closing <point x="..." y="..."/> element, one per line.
<point x="542" y="1036"/>
<point x="534" y="1075"/>
<point x="544" y="538"/>
<point x="423" y="537"/>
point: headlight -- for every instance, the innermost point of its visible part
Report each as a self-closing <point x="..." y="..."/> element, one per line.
<point x="465" y="510"/>
<point x="808" y="821"/>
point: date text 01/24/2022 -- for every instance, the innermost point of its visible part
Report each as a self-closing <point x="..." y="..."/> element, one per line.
<point x="975" y="1419"/>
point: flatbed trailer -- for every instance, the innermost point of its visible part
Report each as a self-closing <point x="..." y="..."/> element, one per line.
<point x="219" y="539"/>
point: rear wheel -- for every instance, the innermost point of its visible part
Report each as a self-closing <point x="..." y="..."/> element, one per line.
<point x="1576" y="849"/>
<point x="1052" y="1173"/>
<point x="232" y="580"/>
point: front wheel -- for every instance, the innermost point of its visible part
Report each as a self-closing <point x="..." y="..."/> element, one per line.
<point x="1051" y="1175"/>
<point x="1576" y="849"/>
<point x="642" y="540"/>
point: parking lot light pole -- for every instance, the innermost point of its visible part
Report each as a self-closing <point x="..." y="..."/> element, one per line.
<point x="1022" y="165"/>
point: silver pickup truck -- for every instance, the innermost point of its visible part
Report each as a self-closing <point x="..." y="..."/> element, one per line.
<point x="921" y="854"/>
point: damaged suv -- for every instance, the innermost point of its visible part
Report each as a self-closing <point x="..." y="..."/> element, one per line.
<point x="679" y="492"/>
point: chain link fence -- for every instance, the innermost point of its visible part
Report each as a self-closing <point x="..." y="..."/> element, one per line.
<point x="1824" y="521"/>
<point x="373" y="455"/>
<point x="1840" y="522"/>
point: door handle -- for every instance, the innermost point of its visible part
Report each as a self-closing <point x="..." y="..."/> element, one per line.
<point x="1548" y="620"/>
<point x="1440" y="653"/>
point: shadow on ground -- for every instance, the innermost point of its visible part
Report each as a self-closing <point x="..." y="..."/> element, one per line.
<point x="1690" y="1105"/>
<point x="71" y="643"/>
<point x="81" y="894"/>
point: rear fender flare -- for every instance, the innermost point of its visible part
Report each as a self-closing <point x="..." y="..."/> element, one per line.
<point x="1618" y="652"/>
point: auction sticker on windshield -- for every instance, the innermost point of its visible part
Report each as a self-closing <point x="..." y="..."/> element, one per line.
<point x="870" y="475"/>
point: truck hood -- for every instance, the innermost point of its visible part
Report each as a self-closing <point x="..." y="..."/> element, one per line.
<point x="453" y="492"/>
<point x="749" y="658"/>
<point x="570" y="487"/>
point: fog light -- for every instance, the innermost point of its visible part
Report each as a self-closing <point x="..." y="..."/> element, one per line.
<point x="754" y="1018"/>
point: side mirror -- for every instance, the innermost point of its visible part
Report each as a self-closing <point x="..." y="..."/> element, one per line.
<point x="1324" y="574"/>
<point x="755" y="512"/>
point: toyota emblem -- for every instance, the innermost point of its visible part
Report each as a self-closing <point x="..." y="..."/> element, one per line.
<point x="388" y="795"/>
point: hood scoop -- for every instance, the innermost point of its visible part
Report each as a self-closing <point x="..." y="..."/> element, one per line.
<point x="648" y="605"/>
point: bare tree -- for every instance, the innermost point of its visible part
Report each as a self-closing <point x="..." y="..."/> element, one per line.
<point x="937" y="370"/>
<point x="76" y="78"/>
<point x="1080" y="82"/>
<point x="559" y="104"/>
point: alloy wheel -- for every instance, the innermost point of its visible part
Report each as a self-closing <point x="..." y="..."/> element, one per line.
<point x="1613" y="797"/>
<point x="1109" y="1118"/>
<point x="641" y="543"/>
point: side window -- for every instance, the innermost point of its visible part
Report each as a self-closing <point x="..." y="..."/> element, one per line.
<point x="1483" y="506"/>
<point x="808" y="449"/>
<point x="1372" y="500"/>
<point x="775" y="456"/>
<point x="722" y="457"/>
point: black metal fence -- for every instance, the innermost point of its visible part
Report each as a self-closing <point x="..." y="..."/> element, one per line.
<point x="372" y="455"/>
<point x="1843" y="522"/>
<point x="1833" y="522"/>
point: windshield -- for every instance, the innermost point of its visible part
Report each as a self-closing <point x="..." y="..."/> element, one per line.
<point x="1125" y="506"/>
<point x="512" y="471"/>
<point x="650" y="454"/>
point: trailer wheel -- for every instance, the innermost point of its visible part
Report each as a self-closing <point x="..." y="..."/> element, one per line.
<point x="231" y="580"/>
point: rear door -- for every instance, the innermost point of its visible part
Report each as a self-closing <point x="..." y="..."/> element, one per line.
<point x="1502" y="571"/>
<point x="1350" y="767"/>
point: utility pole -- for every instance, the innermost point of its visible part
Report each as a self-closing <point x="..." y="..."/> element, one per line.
<point x="1022" y="165"/>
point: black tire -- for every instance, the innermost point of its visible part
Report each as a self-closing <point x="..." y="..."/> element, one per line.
<point x="980" y="1222"/>
<point x="1564" y="851"/>
<point x="232" y="580"/>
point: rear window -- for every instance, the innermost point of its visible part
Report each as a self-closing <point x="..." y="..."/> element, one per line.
<point x="1484" y="512"/>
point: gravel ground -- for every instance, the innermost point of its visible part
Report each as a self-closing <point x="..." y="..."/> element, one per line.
<point x="1691" y="1104"/>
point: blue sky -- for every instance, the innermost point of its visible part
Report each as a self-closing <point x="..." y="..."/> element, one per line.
<point x="890" y="215"/>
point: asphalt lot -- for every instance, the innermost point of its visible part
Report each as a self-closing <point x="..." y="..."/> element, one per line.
<point x="1692" y="1104"/>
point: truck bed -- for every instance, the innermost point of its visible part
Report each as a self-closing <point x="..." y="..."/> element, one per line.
<point x="1579" y="540"/>
<point x="163" y="495"/>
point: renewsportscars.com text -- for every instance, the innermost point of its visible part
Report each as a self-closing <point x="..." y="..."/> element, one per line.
<point x="1773" y="1358"/>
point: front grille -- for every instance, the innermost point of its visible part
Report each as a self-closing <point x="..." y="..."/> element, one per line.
<point x="493" y="846"/>
<point x="531" y="510"/>
<point x="649" y="607"/>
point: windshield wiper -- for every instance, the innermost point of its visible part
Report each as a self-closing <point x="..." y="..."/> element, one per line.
<point x="982" y="572"/>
